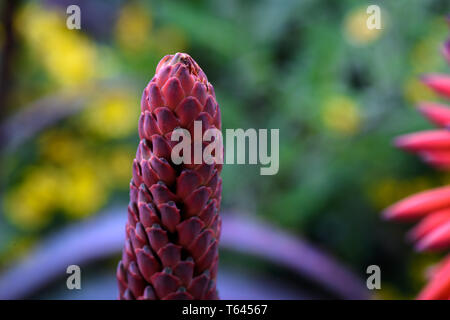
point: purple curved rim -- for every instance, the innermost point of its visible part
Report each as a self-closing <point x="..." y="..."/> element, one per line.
<point x="103" y="236"/>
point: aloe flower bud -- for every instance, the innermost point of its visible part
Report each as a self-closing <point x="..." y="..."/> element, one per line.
<point x="171" y="245"/>
<point x="432" y="206"/>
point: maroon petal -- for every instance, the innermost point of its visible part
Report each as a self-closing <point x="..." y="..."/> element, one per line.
<point x="198" y="286"/>
<point x="199" y="91"/>
<point x="187" y="82"/>
<point x="195" y="202"/>
<point x="201" y="242"/>
<point x="207" y="258"/>
<point x="188" y="110"/>
<point x="161" y="194"/>
<point x="143" y="152"/>
<point x="147" y="263"/>
<point x="149" y="293"/>
<point x="122" y="278"/>
<point x="166" y="120"/>
<point x="188" y="230"/>
<point x="161" y="147"/>
<point x="173" y="92"/>
<point x="184" y="270"/>
<point x="150" y="126"/>
<point x="164" y="284"/>
<point x="208" y="212"/>
<point x="157" y="237"/>
<point x="187" y="181"/>
<point x="148" y="215"/>
<point x="154" y="97"/>
<point x="132" y="214"/>
<point x="170" y="255"/>
<point x="128" y="295"/>
<point x="137" y="178"/>
<point x="148" y="175"/>
<point x="143" y="194"/>
<point x="135" y="280"/>
<point x="133" y="194"/>
<point x="144" y="101"/>
<point x="205" y="171"/>
<point x="127" y="253"/>
<point x="164" y="170"/>
<point x="170" y="215"/>
<point x="210" y="106"/>
<point x="163" y="75"/>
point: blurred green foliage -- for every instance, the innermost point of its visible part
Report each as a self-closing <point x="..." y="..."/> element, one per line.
<point x="338" y="93"/>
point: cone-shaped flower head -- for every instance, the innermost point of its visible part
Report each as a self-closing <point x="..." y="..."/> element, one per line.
<point x="432" y="206"/>
<point x="171" y="245"/>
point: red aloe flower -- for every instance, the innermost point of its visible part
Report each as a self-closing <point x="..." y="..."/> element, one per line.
<point x="171" y="245"/>
<point x="432" y="206"/>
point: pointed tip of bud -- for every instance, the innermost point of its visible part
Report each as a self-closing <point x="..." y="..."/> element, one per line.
<point x="398" y="142"/>
<point x="419" y="204"/>
<point x="423" y="140"/>
<point x="388" y="214"/>
<point x="419" y="247"/>
<point x="439" y="83"/>
<point x="430" y="79"/>
<point x="185" y="59"/>
<point x="404" y="142"/>
<point x="437" y="113"/>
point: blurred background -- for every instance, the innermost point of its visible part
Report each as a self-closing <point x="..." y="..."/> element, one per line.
<point x="337" y="91"/>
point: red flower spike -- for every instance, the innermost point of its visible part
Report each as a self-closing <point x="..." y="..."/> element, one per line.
<point x="173" y="209"/>
<point x="433" y="146"/>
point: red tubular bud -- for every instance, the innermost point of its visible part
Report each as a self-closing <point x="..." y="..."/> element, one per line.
<point x="420" y="204"/>
<point x="439" y="286"/>
<point x="439" y="83"/>
<point x="437" y="113"/>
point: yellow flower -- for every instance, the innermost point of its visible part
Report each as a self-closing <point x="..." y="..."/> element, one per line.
<point x="81" y="190"/>
<point x="15" y="249"/>
<point x="112" y="115"/>
<point x="30" y="205"/>
<point x="68" y="56"/>
<point x="59" y="146"/>
<point x="387" y="191"/>
<point x="415" y="91"/>
<point x="119" y="167"/>
<point x="424" y="55"/>
<point x="341" y="114"/>
<point x="356" y="30"/>
<point x="133" y="28"/>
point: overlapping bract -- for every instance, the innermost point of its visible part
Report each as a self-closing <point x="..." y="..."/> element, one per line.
<point x="432" y="206"/>
<point x="171" y="246"/>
